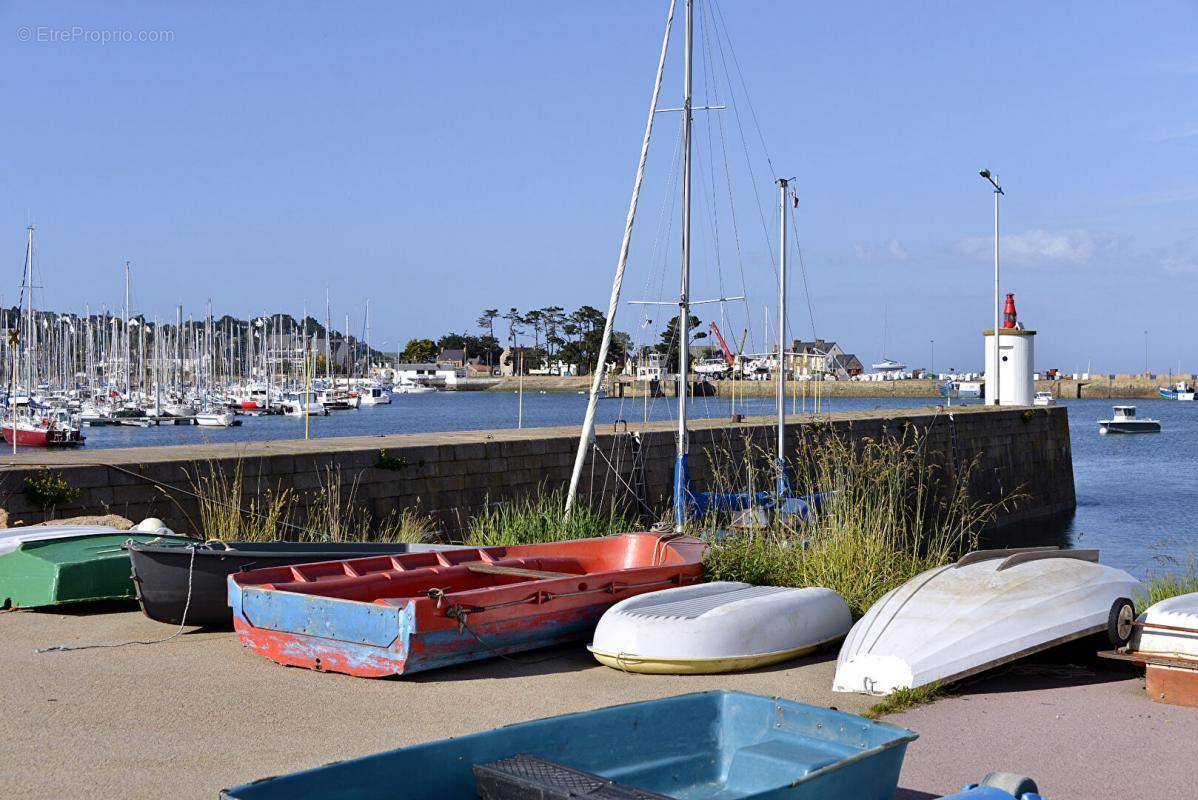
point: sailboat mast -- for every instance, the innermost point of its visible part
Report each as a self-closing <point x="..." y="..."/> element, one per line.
<point x="680" y="467"/>
<point x="781" y="393"/>
<point x="128" y="345"/>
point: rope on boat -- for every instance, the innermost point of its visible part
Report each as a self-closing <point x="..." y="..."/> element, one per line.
<point x="64" y="648"/>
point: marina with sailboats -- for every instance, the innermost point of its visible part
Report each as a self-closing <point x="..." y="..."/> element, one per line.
<point x="348" y="399"/>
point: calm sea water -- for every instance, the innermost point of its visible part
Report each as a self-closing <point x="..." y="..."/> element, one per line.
<point x="1135" y="494"/>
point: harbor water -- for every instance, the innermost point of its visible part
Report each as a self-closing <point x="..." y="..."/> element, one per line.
<point x="1134" y="493"/>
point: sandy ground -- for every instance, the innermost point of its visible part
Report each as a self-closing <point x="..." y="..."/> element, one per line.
<point x="188" y="717"/>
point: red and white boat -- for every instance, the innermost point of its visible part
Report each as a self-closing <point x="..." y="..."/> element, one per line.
<point x="399" y="614"/>
<point x="41" y="431"/>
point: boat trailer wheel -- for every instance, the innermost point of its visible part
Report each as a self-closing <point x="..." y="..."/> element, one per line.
<point x="1119" y="623"/>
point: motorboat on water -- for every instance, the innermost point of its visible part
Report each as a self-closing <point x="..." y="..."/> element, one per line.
<point x="217" y="419"/>
<point x="399" y="614"/>
<point x="409" y="386"/>
<point x="1181" y="390"/>
<point x="374" y="396"/>
<point x="715" y="627"/>
<point x="181" y="581"/>
<point x="42" y="427"/>
<point x="712" y="745"/>
<point x="1044" y="399"/>
<point x="1124" y="420"/>
<point x="989" y="608"/>
<point x="298" y="404"/>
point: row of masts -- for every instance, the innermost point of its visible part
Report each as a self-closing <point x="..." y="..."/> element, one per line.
<point x="133" y="354"/>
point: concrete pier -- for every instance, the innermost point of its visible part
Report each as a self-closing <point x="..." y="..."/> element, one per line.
<point x="452" y="475"/>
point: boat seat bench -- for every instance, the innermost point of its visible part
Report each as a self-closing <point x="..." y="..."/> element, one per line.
<point x="518" y="572"/>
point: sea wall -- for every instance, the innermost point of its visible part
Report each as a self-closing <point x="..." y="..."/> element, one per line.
<point x="452" y="475"/>
<point x="1093" y="386"/>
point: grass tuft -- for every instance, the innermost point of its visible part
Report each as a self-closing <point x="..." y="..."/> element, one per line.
<point x="1170" y="584"/>
<point x="899" y="701"/>
<point x="541" y="517"/>
<point x="885" y="519"/>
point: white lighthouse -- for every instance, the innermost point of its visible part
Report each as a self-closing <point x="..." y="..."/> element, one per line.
<point x="1016" y="356"/>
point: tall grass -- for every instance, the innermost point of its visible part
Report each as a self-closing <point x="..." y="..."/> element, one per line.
<point x="230" y="510"/>
<point x="885" y="518"/>
<point x="1170" y="584"/>
<point x="337" y="515"/>
<point x="229" y="514"/>
<point x="541" y="517"/>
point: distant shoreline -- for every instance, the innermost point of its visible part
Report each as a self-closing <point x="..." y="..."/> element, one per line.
<point x="1129" y="387"/>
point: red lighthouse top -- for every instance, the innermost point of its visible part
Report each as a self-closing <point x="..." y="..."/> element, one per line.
<point x="1008" y="312"/>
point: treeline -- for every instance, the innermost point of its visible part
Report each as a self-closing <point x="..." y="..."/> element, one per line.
<point x="542" y="335"/>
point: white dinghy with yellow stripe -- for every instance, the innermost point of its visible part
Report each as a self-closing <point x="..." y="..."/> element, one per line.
<point x="718" y="627"/>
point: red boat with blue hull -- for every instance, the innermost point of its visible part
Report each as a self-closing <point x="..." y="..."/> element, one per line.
<point x="395" y="615"/>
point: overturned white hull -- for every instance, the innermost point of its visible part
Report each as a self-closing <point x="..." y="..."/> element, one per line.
<point x="989" y="608"/>
<point x="717" y="627"/>
<point x="1169" y="628"/>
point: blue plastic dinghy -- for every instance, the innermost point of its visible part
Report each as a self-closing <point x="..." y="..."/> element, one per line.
<point x="705" y="746"/>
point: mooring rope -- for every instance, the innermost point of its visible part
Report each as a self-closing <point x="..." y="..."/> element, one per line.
<point x="64" y="648"/>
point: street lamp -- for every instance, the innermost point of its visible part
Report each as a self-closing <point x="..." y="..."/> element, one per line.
<point x="993" y="180"/>
<point x="932" y="357"/>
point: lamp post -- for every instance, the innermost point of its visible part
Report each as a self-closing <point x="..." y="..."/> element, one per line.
<point x="932" y="357"/>
<point x="1145" y="354"/>
<point x="993" y="180"/>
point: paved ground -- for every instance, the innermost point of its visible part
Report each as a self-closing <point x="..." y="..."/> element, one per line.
<point x="188" y="717"/>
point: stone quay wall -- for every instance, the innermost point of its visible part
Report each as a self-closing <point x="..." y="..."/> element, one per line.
<point x="452" y="475"/>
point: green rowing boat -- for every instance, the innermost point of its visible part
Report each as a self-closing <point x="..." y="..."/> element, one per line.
<point x="47" y="566"/>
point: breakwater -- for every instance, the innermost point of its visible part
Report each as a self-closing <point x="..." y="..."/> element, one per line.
<point x="451" y="475"/>
<point x="1095" y="386"/>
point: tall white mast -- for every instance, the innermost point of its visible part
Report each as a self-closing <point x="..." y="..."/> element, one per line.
<point x="684" y="308"/>
<point x="781" y="398"/>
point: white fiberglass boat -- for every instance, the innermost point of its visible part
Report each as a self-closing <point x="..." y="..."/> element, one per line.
<point x="1169" y="628"/>
<point x="216" y="419"/>
<point x="1125" y="420"/>
<point x="717" y="627"/>
<point x="374" y="396"/>
<point x="408" y="386"/>
<point x="298" y="404"/>
<point x="989" y="608"/>
<point x="1044" y="399"/>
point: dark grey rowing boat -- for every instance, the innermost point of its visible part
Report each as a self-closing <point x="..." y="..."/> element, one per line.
<point x="163" y="571"/>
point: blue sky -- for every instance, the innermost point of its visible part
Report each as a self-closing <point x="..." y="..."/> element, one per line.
<point x="443" y="158"/>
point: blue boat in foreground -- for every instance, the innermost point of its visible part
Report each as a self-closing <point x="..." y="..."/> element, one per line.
<point x="705" y="746"/>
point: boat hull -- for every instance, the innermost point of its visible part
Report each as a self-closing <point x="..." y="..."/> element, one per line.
<point x="41" y="437"/>
<point x="988" y="609"/>
<point x="404" y="614"/>
<point x="69" y="569"/>
<point x="713" y="745"/>
<point x="1139" y="426"/>
<point x="163" y="573"/>
<point x="718" y="627"/>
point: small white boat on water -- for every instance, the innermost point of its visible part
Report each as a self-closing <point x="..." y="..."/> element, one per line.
<point x="1124" y="420"/>
<point x="297" y="404"/>
<point x="374" y="396"/>
<point x="717" y="627"/>
<point x="989" y="608"/>
<point x="409" y="386"/>
<point x="1044" y="399"/>
<point x="216" y="419"/>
